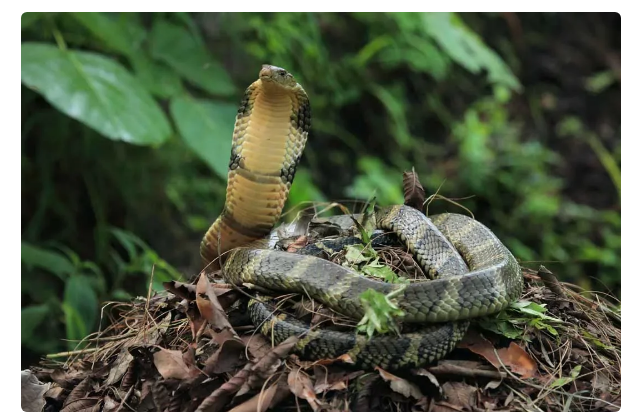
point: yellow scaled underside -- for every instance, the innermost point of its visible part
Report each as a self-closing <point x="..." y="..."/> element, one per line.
<point x="266" y="141"/>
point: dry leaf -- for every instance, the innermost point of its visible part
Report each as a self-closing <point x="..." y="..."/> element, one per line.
<point x="80" y="391"/>
<point x="459" y="396"/>
<point x="210" y="308"/>
<point x="230" y="355"/>
<point x="270" y="362"/>
<point x="257" y="345"/>
<point x="400" y="385"/>
<point x="414" y="194"/>
<point x="264" y="400"/>
<point x="81" y="405"/>
<point x="333" y="378"/>
<point x="514" y="357"/>
<point x="32" y="392"/>
<point x="430" y="376"/>
<point x="298" y="244"/>
<point x="110" y="404"/>
<point x="220" y="397"/>
<point x="302" y="387"/>
<point x="171" y="365"/>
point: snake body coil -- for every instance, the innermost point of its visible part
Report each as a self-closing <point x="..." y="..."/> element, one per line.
<point x="471" y="272"/>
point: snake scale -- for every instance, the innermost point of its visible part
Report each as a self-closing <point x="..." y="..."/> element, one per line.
<point x="471" y="273"/>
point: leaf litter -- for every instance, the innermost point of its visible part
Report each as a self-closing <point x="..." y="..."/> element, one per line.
<point x="190" y="348"/>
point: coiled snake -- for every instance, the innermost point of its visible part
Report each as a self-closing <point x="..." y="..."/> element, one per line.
<point x="471" y="272"/>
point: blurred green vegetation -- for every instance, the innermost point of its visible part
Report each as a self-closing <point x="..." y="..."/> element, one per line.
<point x="127" y="120"/>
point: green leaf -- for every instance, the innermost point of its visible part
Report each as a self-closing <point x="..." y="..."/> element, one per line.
<point x="467" y="49"/>
<point x="565" y="380"/>
<point x="30" y="319"/>
<point x="50" y="261"/>
<point x="81" y="307"/>
<point x="355" y="254"/>
<point x="157" y="78"/>
<point x="74" y="325"/>
<point x="600" y="81"/>
<point x="187" y="55"/>
<point x="380" y="312"/>
<point x="383" y="272"/>
<point x="206" y="127"/>
<point x="95" y="90"/>
<point x="121" y="35"/>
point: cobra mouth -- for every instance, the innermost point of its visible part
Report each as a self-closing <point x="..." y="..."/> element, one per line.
<point x="266" y="72"/>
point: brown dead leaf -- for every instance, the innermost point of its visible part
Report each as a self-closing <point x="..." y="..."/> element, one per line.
<point x="298" y="244"/>
<point x="81" y="405"/>
<point x="459" y="397"/>
<point x="110" y="404"/>
<point x="32" y="392"/>
<point x="302" y="387"/>
<point x="400" y="385"/>
<point x="514" y="357"/>
<point x="413" y="191"/>
<point x="430" y="376"/>
<point x="329" y="378"/>
<point x="220" y="397"/>
<point x="256" y="344"/>
<point x="210" y="308"/>
<point x="181" y="289"/>
<point x="67" y="379"/>
<point x="345" y="358"/>
<point x="54" y="393"/>
<point x="264" y="400"/>
<point x="230" y="355"/>
<point x="171" y="365"/>
<point x="270" y="362"/>
<point x="80" y="391"/>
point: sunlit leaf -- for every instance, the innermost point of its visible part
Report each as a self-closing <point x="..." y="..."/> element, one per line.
<point x="206" y="127"/>
<point x="95" y="90"/>
<point x="467" y="49"/>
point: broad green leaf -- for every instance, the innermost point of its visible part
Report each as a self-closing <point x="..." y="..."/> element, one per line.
<point x="75" y="327"/>
<point x="355" y="254"/>
<point x="187" y="55"/>
<point x="30" y="318"/>
<point x="381" y="271"/>
<point x="206" y="127"/>
<point x="50" y="261"/>
<point x="159" y="79"/>
<point x="467" y="49"/>
<point x="95" y="90"/>
<point x="121" y="35"/>
<point x="80" y="306"/>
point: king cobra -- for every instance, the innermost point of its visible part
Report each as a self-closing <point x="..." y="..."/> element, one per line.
<point x="470" y="272"/>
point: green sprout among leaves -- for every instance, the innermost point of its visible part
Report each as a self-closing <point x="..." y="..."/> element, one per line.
<point x="380" y="311"/>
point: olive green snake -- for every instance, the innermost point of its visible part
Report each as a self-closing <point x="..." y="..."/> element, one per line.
<point x="471" y="273"/>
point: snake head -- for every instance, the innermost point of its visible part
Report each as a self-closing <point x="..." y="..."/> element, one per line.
<point x="277" y="75"/>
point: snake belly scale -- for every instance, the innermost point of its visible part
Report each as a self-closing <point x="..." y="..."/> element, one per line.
<point x="471" y="273"/>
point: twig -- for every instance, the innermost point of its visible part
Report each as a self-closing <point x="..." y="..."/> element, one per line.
<point x="449" y="369"/>
<point x="72" y="353"/>
<point x="551" y="281"/>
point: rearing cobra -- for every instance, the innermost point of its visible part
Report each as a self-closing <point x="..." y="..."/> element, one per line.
<point x="471" y="273"/>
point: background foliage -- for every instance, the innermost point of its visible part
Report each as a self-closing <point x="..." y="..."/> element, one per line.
<point x="127" y="120"/>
